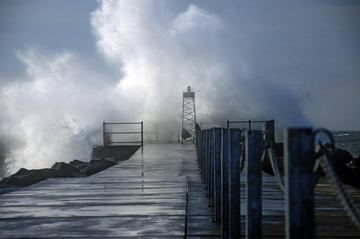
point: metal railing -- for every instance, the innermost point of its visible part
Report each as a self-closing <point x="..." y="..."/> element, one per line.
<point x="219" y="157"/>
<point x="107" y="135"/>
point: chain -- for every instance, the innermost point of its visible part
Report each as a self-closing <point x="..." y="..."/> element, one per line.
<point x="341" y="193"/>
<point x="274" y="166"/>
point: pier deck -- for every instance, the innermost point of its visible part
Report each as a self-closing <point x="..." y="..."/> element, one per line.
<point x="144" y="196"/>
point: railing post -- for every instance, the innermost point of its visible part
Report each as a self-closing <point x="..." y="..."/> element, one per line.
<point x="270" y="131"/>
<point x="225" y="185"/>
<point x="299" y="195"/>
<point x="142" y="137"/>
<point x="104" y="137"/>
<point x="206" y="168"/>
<point x="203" y="154"/>
<point x="234" y="184"/>
<point x="254" y="148"/>
<point x="210" y="162"/>
<point x="217" y="174"/>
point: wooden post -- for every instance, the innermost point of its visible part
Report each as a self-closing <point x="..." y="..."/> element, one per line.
<point x="225" y="185"/>
<point x="254" y="147"/>
<point x="270" y="131"/>
<point x="203" y="153"/>
<point x="299" y="196"/>
<point x="207" y="158"/>
<point x="210" y="171"/>
<point x="234" y="184"/>
<point x="217" y="174"/>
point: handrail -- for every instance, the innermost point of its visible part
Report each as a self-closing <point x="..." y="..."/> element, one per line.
<point x="111" y="143"/>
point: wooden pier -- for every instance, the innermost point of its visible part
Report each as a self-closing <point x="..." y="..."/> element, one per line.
<point x="146" y="197"/>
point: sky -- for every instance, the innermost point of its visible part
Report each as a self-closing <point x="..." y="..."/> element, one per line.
<point x="66" y="66"/>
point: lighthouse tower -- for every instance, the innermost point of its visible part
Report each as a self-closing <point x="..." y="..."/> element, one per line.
<point x="188" y="117"/>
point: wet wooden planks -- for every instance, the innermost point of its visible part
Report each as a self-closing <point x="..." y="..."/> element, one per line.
<point x="330" y="218"/>
<point x="144" y="196"/>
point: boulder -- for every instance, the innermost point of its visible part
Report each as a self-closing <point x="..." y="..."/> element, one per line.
<point x="66" y="170"/>
<point x="79" y="164"/>
<point x="97" y="165"/>
<point x="25" y="177"/>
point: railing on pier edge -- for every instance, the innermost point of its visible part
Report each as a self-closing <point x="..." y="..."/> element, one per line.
<point x="220" y="156"/>
<point x="107" y="134"/>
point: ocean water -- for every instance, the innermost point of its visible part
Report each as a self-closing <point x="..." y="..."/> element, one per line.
<point x="349" y="140"/>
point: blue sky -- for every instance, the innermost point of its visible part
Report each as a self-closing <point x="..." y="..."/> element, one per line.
<point x="49" y="26"/>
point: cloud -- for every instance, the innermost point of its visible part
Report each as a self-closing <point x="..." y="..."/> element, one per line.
<point x="293" y="62"/>
<point x="195" y="19"/>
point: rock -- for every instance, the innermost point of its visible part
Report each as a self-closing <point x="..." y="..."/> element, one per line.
<point x="25" y="177"/>
<point x="79" y="164"/>
<point x="66" y="170"/>
<point x="97" y="165"/>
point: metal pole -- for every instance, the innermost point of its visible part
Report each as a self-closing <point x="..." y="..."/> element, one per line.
<point x="142" y="133"/>
<point x="206" y="168"/>
<point x="234" y="184"/>
<point x="182" y="122"/>
<point x="225" y="185"/>
<point x="254" y="147"/>
<point x="299" y="195"/>
<point x="142" y="137"/>
<point x="249" y="122"/>
<point x="104" y="140"/>
<point x="194" y="117"/>
<point x="217" y="174"/>
<point x="203" y="149"/>
<point x="227" y="124"/>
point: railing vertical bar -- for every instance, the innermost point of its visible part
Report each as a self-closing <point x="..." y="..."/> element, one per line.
<point x="206" y="157"/>
<point x="104" y="140"/>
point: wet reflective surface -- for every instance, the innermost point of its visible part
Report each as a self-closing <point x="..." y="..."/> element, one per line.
<point x="143" y="196"/>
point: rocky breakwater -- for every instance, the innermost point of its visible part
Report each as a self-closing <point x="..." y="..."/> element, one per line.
<point x="76" y="168"/>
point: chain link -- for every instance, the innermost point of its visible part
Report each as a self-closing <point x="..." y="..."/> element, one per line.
<point x="275" y="168"/>
<point x="341" y="193"/>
